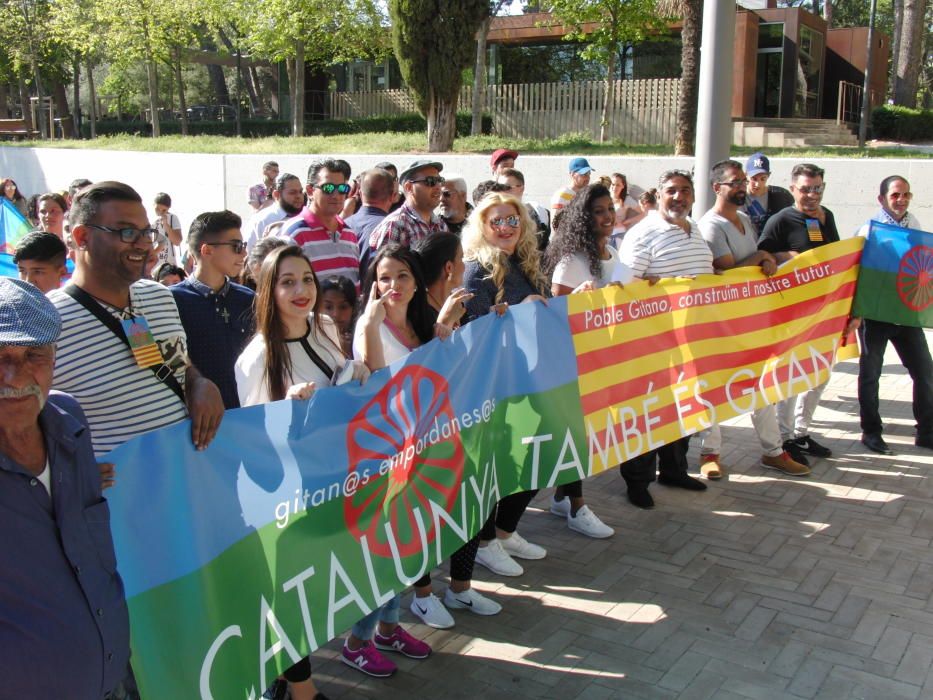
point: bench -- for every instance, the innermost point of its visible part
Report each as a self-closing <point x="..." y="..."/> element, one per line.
<point x="16" y="128"/>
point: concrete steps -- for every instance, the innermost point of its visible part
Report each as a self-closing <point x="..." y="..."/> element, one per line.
<point x="791" y="133"/>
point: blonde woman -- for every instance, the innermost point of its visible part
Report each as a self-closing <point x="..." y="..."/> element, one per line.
<point x="500" y="249"/>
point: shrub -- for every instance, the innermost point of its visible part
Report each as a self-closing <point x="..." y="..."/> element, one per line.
<point x="896" y="123"/>
<point x="257" y="128"/>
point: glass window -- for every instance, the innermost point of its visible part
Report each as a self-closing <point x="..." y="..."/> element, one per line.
<point x="771" y="35"/>
<point x="809" y="73"/>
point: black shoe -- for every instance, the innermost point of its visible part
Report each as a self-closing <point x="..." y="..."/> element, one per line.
<point x="683" y="482"/>
<point x="638" y="495"/>
<point x="812" y="447"/>
<point x="924" y="441"/>
<point x="876" y="443"/>
<point x="793" y="449"/>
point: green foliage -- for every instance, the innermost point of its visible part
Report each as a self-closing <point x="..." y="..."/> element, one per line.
<point x="262" y="128"/>
<point x="616" y="22"/>
<point x="896" y="123"/>
<point x="433" y="47"/>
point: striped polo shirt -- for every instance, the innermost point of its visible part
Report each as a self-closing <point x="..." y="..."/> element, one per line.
<point x="120" y="399"/>
<point x="655" y="247"/>
<point x="332" y="253"/>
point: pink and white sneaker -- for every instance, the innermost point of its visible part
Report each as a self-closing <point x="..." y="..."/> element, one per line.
<point x="402" y="642"/>
<point x="367" y="660"/>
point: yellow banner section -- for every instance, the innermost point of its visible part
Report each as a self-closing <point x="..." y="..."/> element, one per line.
<point x="657" y="363"/>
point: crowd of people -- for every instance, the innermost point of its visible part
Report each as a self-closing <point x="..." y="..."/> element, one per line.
<point x="332" y="279"/>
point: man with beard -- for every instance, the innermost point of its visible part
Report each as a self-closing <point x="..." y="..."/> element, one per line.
<point x="289" y="199"/>
<point x="454" y="208"/>
<point x="415" y="220"/>
<point x="666" y="243"/>
<point x="734" y="242"/>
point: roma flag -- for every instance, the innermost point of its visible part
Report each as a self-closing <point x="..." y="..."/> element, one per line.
<point x="895" y="283"/>
<point x="12" y="229"/>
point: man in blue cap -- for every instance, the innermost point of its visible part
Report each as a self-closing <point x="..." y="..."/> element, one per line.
<point x="64" y="627"/>
<point x="579" y="170"/>
<point x="763" y="200"/>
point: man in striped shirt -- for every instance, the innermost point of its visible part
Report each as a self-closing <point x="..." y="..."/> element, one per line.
<point x="125" y="391"/>
<point x="666" y="243"/>
<point x="319" y="231"/>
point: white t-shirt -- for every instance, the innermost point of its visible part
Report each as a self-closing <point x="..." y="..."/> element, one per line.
<point x="572" y="271"/>
<point x="623" y="211"/>
<point x="249" y="369"/>
<point x="120" y="399"/>
<point x="392" y="348"/>
<point x="171" y="253"/>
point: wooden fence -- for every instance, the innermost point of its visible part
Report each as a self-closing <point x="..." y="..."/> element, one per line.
<point x="641" y="111"/>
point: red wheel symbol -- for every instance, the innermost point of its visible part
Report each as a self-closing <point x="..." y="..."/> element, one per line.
<point x="414" y="407"/>
<point x="915" y="278"/>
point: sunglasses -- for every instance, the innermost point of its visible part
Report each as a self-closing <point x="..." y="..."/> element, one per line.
<point x="330" y="188"/>
<point x="509" y="221"/>
<point x="129" y="235"/>
<point x="813" y="189"/>
<point x="430" y="181"/>
<point x="236" y="246"/>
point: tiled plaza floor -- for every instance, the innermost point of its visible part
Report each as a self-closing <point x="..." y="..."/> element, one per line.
<point x="764" y="586"/>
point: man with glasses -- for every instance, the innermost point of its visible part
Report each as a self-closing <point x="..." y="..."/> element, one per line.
<point x="764" y="200"/>
<point x="666" y="243"/>
<point x="289" y="197"/>
<point x="788" y="233"/>
<point x="123" y="352"/>
<point x="415" y="220"/>
<point x="454" y="208"/>
<point x="216" y="313"/>
<point x="734" y="242"/>
<point x="319" y="231"/>
<point x="909" y="341"/>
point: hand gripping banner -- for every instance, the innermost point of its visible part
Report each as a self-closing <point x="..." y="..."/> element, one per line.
<point x="303" y="516"/>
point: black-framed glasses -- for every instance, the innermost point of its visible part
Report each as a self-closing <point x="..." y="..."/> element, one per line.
<point x="734" y="183"/>
<point x="331" y="188"/>
<point x="431" y="180"/>
<point x="129" y="235"/>
<point x="510" y="221"/>
<point x="236" y="246"/>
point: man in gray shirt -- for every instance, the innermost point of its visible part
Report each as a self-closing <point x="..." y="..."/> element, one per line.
<point x="734" y="242"/>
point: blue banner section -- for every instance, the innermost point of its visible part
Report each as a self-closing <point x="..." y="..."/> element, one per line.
<point x="263" y="456"/>
<point x="887" y="245"/>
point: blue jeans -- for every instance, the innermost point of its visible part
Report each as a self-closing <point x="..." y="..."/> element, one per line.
<point x="388" y="613"/>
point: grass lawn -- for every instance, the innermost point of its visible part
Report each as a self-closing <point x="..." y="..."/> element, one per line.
<point x="399" y="142"/>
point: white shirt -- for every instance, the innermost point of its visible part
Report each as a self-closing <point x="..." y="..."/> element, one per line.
<point x="260" y="221"/>
<point x="654" y="246"/>
<point x="574" y="270"/>
<point x="250" y="368"/>
<point x="392" y="348"/>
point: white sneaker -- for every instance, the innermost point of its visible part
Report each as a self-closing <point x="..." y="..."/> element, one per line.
<point x="586" y="522"/>
<point x="471" y="600"/>
<point x="497" y="560"/>
<point x="431" y="612"/>
<point x="518" y="546"/>
<point x="560" y="508"/>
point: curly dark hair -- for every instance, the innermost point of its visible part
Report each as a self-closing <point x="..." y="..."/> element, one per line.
<point x="576" y="232"/>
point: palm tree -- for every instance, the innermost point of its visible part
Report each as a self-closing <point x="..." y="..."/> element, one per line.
<point x="691" y="11"/>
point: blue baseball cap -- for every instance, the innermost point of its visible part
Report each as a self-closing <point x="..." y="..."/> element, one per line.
<point x="756" y="164"/>
<point x="27" y="318"/>
<point x="580" y="166"/>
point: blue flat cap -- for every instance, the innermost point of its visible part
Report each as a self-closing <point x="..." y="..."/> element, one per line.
<point x="26" y="317"/>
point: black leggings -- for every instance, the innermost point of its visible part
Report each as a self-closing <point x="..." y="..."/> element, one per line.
<point x="572" y="490"/>
<point x="461" y="564"/>
<point x="506" y="514"/>
<point x="299" y="672"/>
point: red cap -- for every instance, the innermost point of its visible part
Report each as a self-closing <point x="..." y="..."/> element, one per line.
<point x="501" y="153"/>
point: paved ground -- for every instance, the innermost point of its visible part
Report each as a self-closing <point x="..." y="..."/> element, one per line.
<point x="762" y="587"/>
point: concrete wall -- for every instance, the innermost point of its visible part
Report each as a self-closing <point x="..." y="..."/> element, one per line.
<point x="209" y="182"/>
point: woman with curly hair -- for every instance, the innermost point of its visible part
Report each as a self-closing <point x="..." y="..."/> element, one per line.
<point x="578" y="255"/>
<point x="500" y="248"/>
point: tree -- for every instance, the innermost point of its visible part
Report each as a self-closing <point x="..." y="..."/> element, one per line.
<point x="691" y="12"/>
<point x="617" y="22"/>
<point x="909" y="50"/>
<point x="432" y="49"/>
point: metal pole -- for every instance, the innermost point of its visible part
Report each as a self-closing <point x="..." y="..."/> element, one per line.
<point x="866" y="86"/>
<point x="714" y="109"/>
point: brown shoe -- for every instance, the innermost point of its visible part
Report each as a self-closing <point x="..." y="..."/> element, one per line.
<point x="784" y="463"/>
<point x="710" y="467"/>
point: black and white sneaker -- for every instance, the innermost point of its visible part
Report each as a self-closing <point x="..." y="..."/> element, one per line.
<point x="793" y="449"/>
<point x="811" y="447"/>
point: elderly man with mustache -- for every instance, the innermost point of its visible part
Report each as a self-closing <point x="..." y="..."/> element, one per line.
<point x="64" y="627"/>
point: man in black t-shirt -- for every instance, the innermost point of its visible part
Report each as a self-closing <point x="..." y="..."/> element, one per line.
<point x="788" y="233"/>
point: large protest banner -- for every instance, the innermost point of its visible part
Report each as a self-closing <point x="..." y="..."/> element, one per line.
<point x="301" y="517"/>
